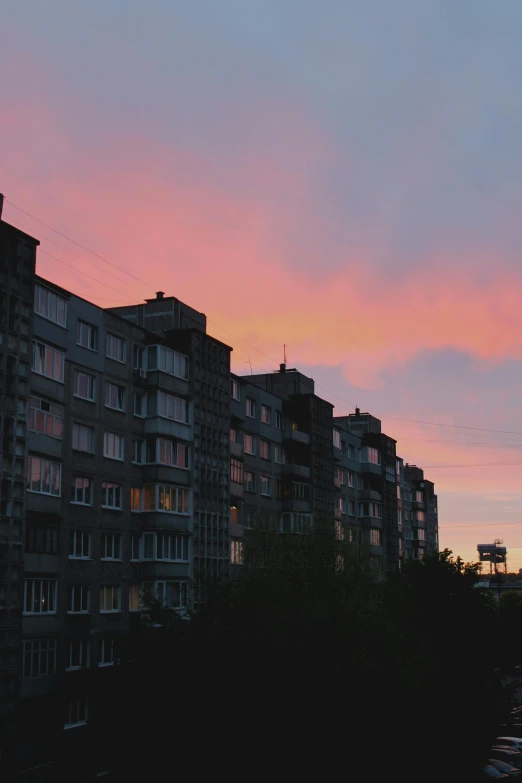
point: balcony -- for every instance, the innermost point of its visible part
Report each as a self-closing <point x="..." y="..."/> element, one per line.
<point x="236" y="449"/>
<point x="236" y="490"/>
<point x="293" y="504"/>
<point x="296" y="470"/>
<point x="157" y="425"/>
<point x="297" y="436"/>
<point x="337" y="513"/>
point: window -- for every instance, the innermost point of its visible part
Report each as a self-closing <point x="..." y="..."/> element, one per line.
<point x="83" y="438"/>
<point x="50" y="305"/>
<point x="84" y="385"/>
<point x="341" y="505"/>
<point x="41" y="539"/>
<point x="419" y="497"/>
<point x="390" y="473"/>
<point x="250" y="407"/>
<point x="350" y="451"/>
<point x="279" y="454"/>
<point x="115" y="347"/>
<point x="419" y="534"/>
<point x="77" y="712"/>
<point x="114" y="396"/>
<point x="420" y="516"/>
<point x="339" y="531"/>
<point x="249" y="444"/>
<point x="79" y="599"/>
<point x="110" y="598"/>
<point x="296" y="523"/>
<point x="78" y="654"/>
<point x="46" y="417"/>
<point x="235" y="390"/>
<point x="337" y="439"/>
<point x="370" y="510"/>
<point x="140" y="405"/>
<point x="40" y="596"/>
<point x="369" y="454"/>
<point x="300" y="491"/>
<point x="48" y="361"/>
<point x="111" y="546"/>
<point x="375" y="537"/>
<point x="173" y="594"/>
<point x="87" y="336"/>
<point x="135" y="499"/>
<point x="341" y="476"/>
<point x="236" y="552"/>
<point x="250" y="481"/>
<point x="79" y="545"/>
<point x="398" y="491"/>
<point x="172" y="407"/>
<point x="167" y="360"/>
<point x="351" y="508"/>
<point x="173" y="500"/>
<point x="236" y="470"/>
<point x="108" y="652"/>
<point x="134" y="598"/>
<point x="266" y="414"/>
<point x="81" y="490"/>
<point x="170" y="453"/>
<point x="137" y="358"/>
<point x="279" y="420"/>
<point x="111" y="495"/>
<point x="360" y="482"/>
<point x="278" y="489"/>
<point x="172" y="547"/>
<point x="44" y="476"/>
<point x="234" y="435"/>
<point x="113" y="445"/>
<point x="39" y="657"/>
<point x="264" y="485"/>
<point x="351" y="479"/>
<point x="138" y="450"/>
<point x="264" y="449"/>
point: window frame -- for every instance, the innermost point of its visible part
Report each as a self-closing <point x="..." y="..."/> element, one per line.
<point x="103" y="593"/>
<point x="84" y="591"/>
<point x="38" y="288"/>
<point x="54" y="467"/>
<point x="57" y="354"/>
<point x="73" y="540"/>
<point x="109" y="338"/>
<point x="52" y="589"/>
<point x="111" y="542"/>
<point x="91" y="381"/>
<point x="120" y="391"/>
<point x="266" y="415"/>
<point x="114" y="438"/>
<point x="106" y="487"/>
<point x="46" y="413"/>
<point x="44" y="646"/>
<point x="250" y="407"/>
<point x="78" y="426"/>
<point x="91" y="330"/>
<point x="74" y="490"/>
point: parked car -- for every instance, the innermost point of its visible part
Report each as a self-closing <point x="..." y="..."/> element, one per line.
<point x="493" y="772"/>
<point x="507" y="769"/>
<point x="502" y="752"/>
<point x="511" y="742"/>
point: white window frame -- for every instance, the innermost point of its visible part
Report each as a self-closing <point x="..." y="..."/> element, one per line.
<point x="80" y="492"/>
<point x="250" y="486"/>
<point x="115" y="348"/>
<point x="250" y="408"/>
<point x="264" y="486"/>
<point x="91" y="332"/>
<point x="54" y="470"/>
<point x="107" y="646"/>
<point x="235" y="390"/>
<point x="45" y="408"/>
<point x="77" y="429"/>
<point x="90" y="396"/>
<point x="84" y="594"/>
<point x="336" y="438"/>
<point x="78" y="708"/>
<point x="246" y="436"/>
<point x="84" y="655"/>
<point x="80" y="541"/>
<point x="279" y="420"/>
<point x="169" y="361"/>
<point x="44" y="589"/>
<point x="114" y="446"/>
<point x="107" y="487"/>
<point x="38" y="658"/>
<point x="173" y="407"/>
<point x="162" y="490"/>
<point x="42" y="305"/>
<point x="279" y="454"/>
<point x="119" y="393"/>
<point x="42" y="349"/>
<point x="111" y="546"/>
<point x="266" y="414"/>
<point x="105" y="595"/>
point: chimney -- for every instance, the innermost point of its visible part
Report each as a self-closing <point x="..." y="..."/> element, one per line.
<point x="282" y="368"/>
<point x="357" y="411"/>
<point x="160" y="294"/>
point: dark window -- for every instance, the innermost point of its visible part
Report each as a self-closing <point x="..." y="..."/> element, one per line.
<point x="41" y="539"/>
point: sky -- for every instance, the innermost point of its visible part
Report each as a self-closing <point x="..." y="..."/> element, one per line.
<point x="342" y="177"/>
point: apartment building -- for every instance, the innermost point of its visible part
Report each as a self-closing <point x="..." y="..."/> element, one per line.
<point x="422" y="535"/>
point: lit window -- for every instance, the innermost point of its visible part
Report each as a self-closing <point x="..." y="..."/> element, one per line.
<point x="110" y="598"/>
<point x="420" y="516"/>
<point x="111" y="495"/>
<point x="264" y="449"/>
<point x="369" y="454"/>
<point x="236" y="552"/>
<point x="79" y="545"/>
<point x="339" y="531"/>
<point x="266" y="414"/>
<point x="50" y="305"/>
<point x="48" y="361"/>
<point x="111" y="546"/>
<point x="250" y="407"/>
<point x="235" y="390"/>
<point x="87" y="336"/>
<point x="40" y="596"/>
<point x="77" y="712"/>
<point x="134" y="598"/>
<point x="84" y="385"/>
<point x="115" y="348"/>
<point x="46" y="417"/>
<point x="43" y="476"/>
<point x="169" y="499"/>
<point x="341" y="476"/>
<point x="114" y="396"/>
<point x="39" y="657"/>
<point x="113" y="445"/>
<point x="135" y="499"/>
<point x="83" y="438"/>
<point x="419" y="497"/>
<point x="375" y="537"/>
<point x="236" y="470"/>
<point x="79" y="599"/>
<point x="81" y="490"/>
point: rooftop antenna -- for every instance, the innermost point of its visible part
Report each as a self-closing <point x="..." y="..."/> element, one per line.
<point x="250" y="363"/>
<point x="284" y="354"/>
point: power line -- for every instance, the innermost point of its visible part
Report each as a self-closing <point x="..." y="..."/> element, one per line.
<point x="477" y="465"/>
<point x="83" y="273"/>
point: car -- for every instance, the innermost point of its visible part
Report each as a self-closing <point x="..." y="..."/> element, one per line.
<point x="508" y="755"/>
<point x="493" y="772"/>
<point x="507" y="769"/>
<point x="512" y="742"/>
